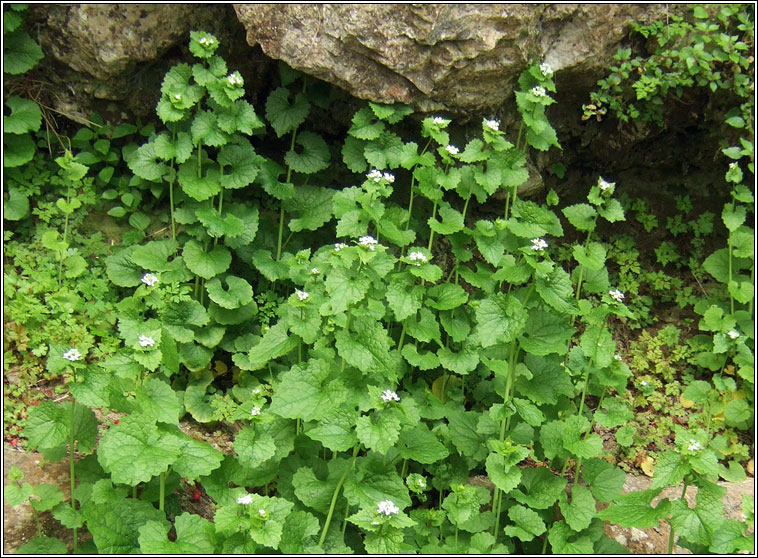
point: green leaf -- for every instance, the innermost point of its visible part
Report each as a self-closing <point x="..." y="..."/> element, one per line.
<point x="196" y="459"/>
<point x="145" y="164"/>
<point x="134" y="451"/>
<point x="18" y="150"/>
<point x="423" y="361"/>
<point x="733" y="216"/>
<point x="593" y="257"/>
<point x="580" y="511"/>
<point x="275" y="343"/>
<point x="612" y="211"/>
<point x="205" y="130"/>
<point x="564" y="540"/>
<point x="335" y="429"/>
<point x="588" y="447"/>
<point x="199" y="188"/>
<point x="717" y="264"/>
<point x="206" y="264"/>
<point x="378" y="431"/>
<point x="283" y="116"/>
<point x="239" y="117"/>
<point x="374" y="481"/>
<point x="20" y="53"/>
<point x="452" y="220"/>
<point x="302" y="530"/>
<point x="307" y="391"/>
<point x="465" y="436"/>
<point x="635" y="510"/>
<point x="270" y="269"/>
<point x="365" y="126"/>
<point x="546" y="333"/>
<point x="243" y="163"/>
<point x="581" y="215"/>
<point x="527" y="524"/>
<point x="598" y="345"/>
<point x="556" y="290"/>
<point x="421" y="445"/>
<point x="195" y="357"/>
<point x="311" y="208"/>
<point x="194" y="535"/>
<point x="699" y="524"/>
<point x="314" y="156"/>
<point x="502" y="473"/>
<point x="154" y="255"/>
<point x="445" y="296"/>
<point x="499" y="319"/>
<point x="315" y="492"/>
<point x="156" y="399"/>
<point x="47" y="426"/>
<point x="352" y="155"/>
<point x="613" y="412"/>
<point x="16" y="207"/>
<point x="670" y="469"/>
<point x="237" y="292"/>
<point x="25" y="116"/>
<point x="368" y="348"/>
<point x="461" y="362"/>
<point x="254" y="447"/>
<point x="43" y="546"/>
<point x="403" y="299"/>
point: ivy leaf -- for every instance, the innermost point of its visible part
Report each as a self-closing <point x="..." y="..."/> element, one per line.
<point x="310" y="206"/>
<point x="194" y="535"/>
<point x="206" y="264"/>
<point x="527" y="524"/>
<point x="134" y="451"/>
<point x="283" y="116"/>
<point x="635" y="510"/>
<point x="313" y="158"/>
<point x="500" y="318"/>
<point x="25" y="116"/>
<point x="307" y="392"/>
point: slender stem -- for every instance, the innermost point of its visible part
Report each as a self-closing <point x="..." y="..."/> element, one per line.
<point x="672" y="535"/>
<point x="279" y="237"/>
<point x="71" y="471"/>
<point x="162" y="490"/>
<point x="344" y="519"/>
<point x="336" y="494"/>
<point x="60" y="254"/>
<point x="39" y="525"/>
<point x="581" y="267"/>
<point x="405" y="469"/>
<point x="731" y="298"/>
<point x="171" y="190"/>
<point x="431" y="231"/>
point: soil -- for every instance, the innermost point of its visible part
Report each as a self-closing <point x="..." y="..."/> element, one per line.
<point x="19" y="526"/>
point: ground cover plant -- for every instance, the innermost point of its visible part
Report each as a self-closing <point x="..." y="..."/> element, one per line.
<point x="371" y="348"/>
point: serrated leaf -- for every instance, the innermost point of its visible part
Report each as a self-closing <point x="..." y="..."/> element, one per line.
<point x="229" y="226"/>
<point x="365" y="126"/>
<point x="579" y="512"/>
<point x="47" y="426"/>
<point x="352" y="154"/>
<point x="335" y="429"/>
<point x="541" y="488"/>
<point x="199" y="188"/>
<point x="115" y="527"/>
<point x="156" y="398"/>
<point x="461" y="362"/>
<point x="377" y="433"/>
<point x="500" y="318"/>
<point x="311" y="208"/>
<point x="206" y="264"/>
<point x="154" y="255"/>
<point x="243" y="163"/>
<point x="423" y="361"/>
<point x="194" y="535"/>
<point x="307" y="391"/>
<point x="556" y="290"/>
<point x="581" y="215"/>
<point x="421" y="445"/>
<point x="205" y="130"/>
<point x="635" y="510"/>
<point x="283" y="116"/>
<point x="275" y="343"/>
<point x="43" y="546"/>
<point x="527" y="524"/>
<point x="504" y="475"/>
<point x="238" y="117"/>
<point x="237" y="292"/>
<point x="145" y="163"/>
<point x="18" y="150"/>
<point x="20" y="52"/>
<point x="546" y="333"/>
<point x="593" y="257"/>
<point x="452" y="221"/>
<point x="314" y="156"/>
<point x="465" y="436"/>
<point x="25" y="116"/>
<point x="403" y="299"/>
<point x="16" y="207"/>
<point x="606" y="481"/>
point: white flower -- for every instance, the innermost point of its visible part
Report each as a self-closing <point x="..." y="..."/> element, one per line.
<point x="375" y="175"/>
<point x="257" y="391"/>
<point x="538" y="244"/>
<point x="255" y="411"/>
<point x="451" y="149"/>
<point x="546" y="70"/>
<point x="643" y="383"/>
<point x="389" y="177"/>
<point x="149" y="279"/>
<point x="694" y="445"/>
<point x="314" y="271"/>
<point x="602" y="184"/>
<point x="733" y="334"/>
<point x="245" y="500"/>
<point x="72" y="354"/>
<point x="421" y="482"/>
<point x="145" y="341"/>
<point x="390" y="395"/>
<point x="178" y="97"/>
<point x="261" y="512"/>
<point x="493" y="124"/>
<point x="387" y="507"/>
<point x="339" y="246"/>
<point x="616" y="295"/>
<point x="235" y="79"/>
<point x="367" y="241"/>
<point x="301" y="295"/>
<point x="732" y="164"/>
<point x="417" y="257"/>
<point x="538" y="91"/>
<point x="617" y="357"/>
<point x="439" y="121"/>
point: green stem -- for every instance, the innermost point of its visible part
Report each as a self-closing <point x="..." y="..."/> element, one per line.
<point x="71" y="465"/>
<point x="37" y="522"/>
<point x="581" y="267"/>
<point x="162" y="490"/>
<point x="731" y="298"/>
<point x="281" y="211"/>
<point x="171" y="191"/>
<point x="60" y="254"/>
<point x="672" y="535"/>
<point x="431" y="231"/>
<point x="405" y="469"/>
<point x="336" y="494"/>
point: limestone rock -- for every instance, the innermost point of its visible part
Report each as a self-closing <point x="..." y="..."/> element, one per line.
<point x="459" y="57"/>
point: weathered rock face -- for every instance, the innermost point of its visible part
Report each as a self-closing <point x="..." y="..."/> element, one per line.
<point x="459" y="57"/>
<point x="118" y="52"/>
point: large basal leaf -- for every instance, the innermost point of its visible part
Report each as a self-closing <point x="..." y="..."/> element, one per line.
<point x="310" y="207"/>
<point x="284" y="116"/>
<point x="500" y="318"/>
<point x="18" y="150"/>
<point x="194" y="535"/>
<point x="206" y="264"/>
<point x="307" y="392"/>
<point x="20" y="53"/>
<point x="313" y="157"/>
<point x="25" y="116"/>
<point x="239" y="164"/>
<point x="236" y="293"/>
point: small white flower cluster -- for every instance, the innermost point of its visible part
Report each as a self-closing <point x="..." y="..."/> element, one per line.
<point x="256" y="391"/>
<point x="694" y="445"/>
<point x="538" y="91"/>
<point x="451" y="149"/>
<point x="733" y="334"/>
<point x="538" y="244"/>
<point x="178" y="97"/>
<point x="146" y="341"/>
<point x="72" y="354"/>
<point x="339" y="246"/>
<point x="546" y="69"/>
<point x="417" y="258"/>
<point x="245" y="500"/>
<point x="255" y="411"/>
<point x="733" y="164"/>
<point x="261" y="512"/>
<point x="421" y="482"/>
<point x="439" y="121"/>
<point x="643" y="383"/>
<point x="314" y="271"/>
<point x="376" y="175"/>
<point x="301" y="295"/>
<point x="206" y="42"/>
<point x="150" y="279"/>
<point x="617" y="357"/>
<point x="367" y="242"/>
<point x="602" y="184"/>
<point x="235" y="79"/>
<point x="493" y="124"/>
<point x="616" y="295"/>
<point x="387" y="507"/>
<point x="390" y="395"/>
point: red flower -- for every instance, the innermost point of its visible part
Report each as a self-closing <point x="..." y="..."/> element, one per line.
<point x="196" y="495"/>
<point x="14" y="441"/>
<point x="116" y="421"/>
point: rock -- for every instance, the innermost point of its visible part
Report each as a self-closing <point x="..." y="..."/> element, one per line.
<point x="109" y="51"/>
<point x="456" y="57"/>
